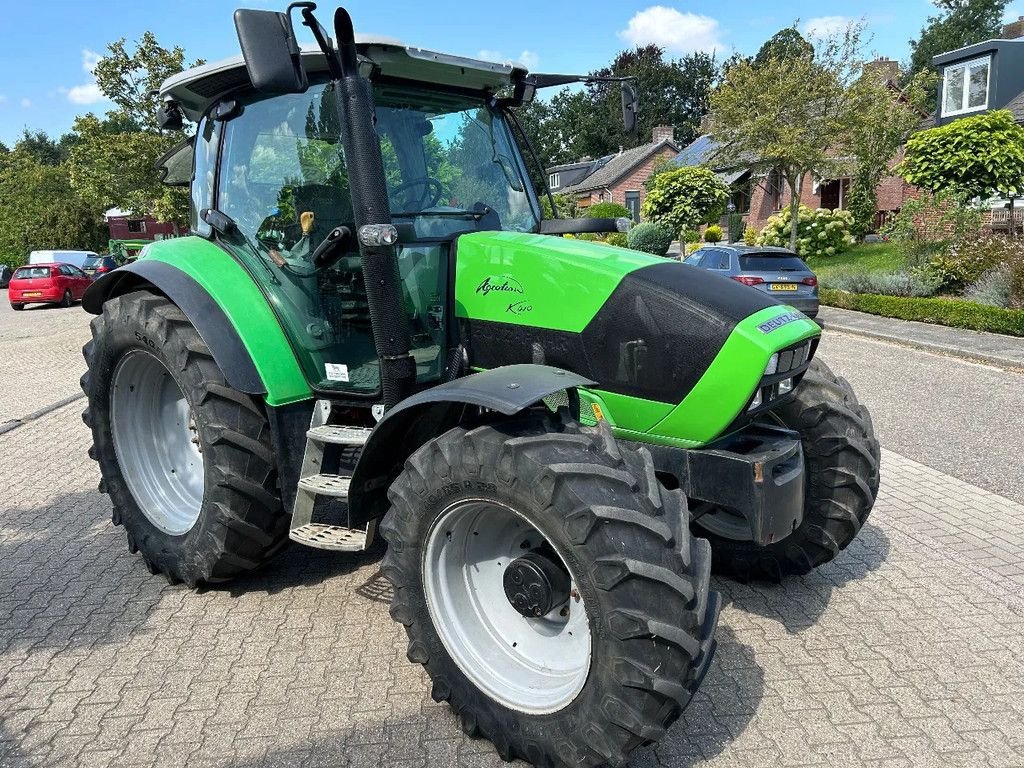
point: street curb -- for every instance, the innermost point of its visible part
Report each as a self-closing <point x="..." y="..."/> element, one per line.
<point x="976" y="357"/>
<point x="10" y="426"/>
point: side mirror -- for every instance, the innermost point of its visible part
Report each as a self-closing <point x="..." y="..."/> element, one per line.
<point x="629" y="107"/>
<point x="271" y="52"/>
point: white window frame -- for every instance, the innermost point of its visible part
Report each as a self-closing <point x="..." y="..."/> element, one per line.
<point x="554" y="180"/>
<point x="966" y="66"/>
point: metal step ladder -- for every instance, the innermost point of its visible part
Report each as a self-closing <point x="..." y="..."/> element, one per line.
<point x="314" y="483"/>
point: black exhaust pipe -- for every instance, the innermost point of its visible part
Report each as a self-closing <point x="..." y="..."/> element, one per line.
<point x="377" y="237"/>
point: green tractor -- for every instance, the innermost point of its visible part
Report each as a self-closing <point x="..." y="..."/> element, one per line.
<point x="371" y="329"/>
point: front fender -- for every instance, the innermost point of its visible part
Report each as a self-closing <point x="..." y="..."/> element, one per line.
<point x="226" y="307"/>
<point x="421" y="417"/>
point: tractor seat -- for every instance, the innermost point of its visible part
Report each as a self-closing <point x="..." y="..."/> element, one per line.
<point x="331" y="205"/>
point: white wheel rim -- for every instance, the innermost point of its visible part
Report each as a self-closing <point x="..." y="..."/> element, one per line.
<point x="156" y="443"/>
<point x="532" y="665"/>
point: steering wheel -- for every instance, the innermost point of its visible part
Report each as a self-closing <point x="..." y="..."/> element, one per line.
<point x="432" y="191"/>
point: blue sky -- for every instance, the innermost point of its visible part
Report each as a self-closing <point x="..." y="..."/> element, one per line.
<point x="44" y="65"/>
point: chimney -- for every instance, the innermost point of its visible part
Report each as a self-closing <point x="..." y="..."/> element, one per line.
<point x="1014" y="29"/>
<point x="885" y="70"/>
<point x="663" y="133"/>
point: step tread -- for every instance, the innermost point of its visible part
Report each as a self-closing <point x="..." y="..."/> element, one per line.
<point x="332" y="537"/>
<point x="326" y="485"/>
<point x="339" y="435"/>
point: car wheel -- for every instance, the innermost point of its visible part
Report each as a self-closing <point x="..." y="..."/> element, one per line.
<point x="68" y="299"/>
<point x="17" y="307"/>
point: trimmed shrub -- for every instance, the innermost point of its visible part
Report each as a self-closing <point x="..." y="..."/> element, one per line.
<point x="690" y="235"/>
<point x="992" y="288"/>
<point x="650" y="238"/>
<point x="955" y="313"/>
<point x="713" y="234"/>
<point x="607" y="211"/>
<point x="820" y="232"/>
<point x="684" y="197"/>
<point x="750" y="236"/>
<point x="968" y="258"/>
<point x="735" y="227"/>
<point x="618" y="239"/>
<point x="917" y="283"/>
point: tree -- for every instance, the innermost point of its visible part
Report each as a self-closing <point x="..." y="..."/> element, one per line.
<point x="588" y="122"/>
<point x="111" y="160"/>
<point x="685" y="197"/>
<point x="882" y="120"/>
<point x="131" y="79"/>
<point x="977" y="156"/>
<point x="959" y="23"/>
<point x="41" y="210"/>
<point x="785" y="44"/>
<point x="788" y="114"/>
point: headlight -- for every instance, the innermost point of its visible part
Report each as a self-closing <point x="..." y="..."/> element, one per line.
<point x="756" y="402"/>
<point x="773" y="365"/>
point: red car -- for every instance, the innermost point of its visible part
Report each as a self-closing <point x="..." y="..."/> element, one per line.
<point x="62" y="284"/>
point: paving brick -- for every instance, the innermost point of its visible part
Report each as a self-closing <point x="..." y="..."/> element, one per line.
<point x="908" y="650"/>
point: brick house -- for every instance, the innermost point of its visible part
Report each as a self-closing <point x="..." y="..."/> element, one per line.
<point x="124" y="225"/>
<point x="617" y="178"/>
<point x="759" y="194"/>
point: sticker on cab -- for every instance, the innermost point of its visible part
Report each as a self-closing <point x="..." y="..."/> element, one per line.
<point x="336" y="371"/>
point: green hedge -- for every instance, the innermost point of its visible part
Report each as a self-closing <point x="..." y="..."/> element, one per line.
<point x="952" y="312"/>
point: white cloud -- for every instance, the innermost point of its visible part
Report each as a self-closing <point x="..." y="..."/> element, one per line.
<point x="673" y="30"/>
<point x="26" y="103"/>
<point x="823" y="26"/>
<point x="528" y="59"/>
<point x="89" y="92"/>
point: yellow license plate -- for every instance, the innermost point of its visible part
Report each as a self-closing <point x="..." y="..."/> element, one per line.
<point x="784" y="286"/>
<point x="33" y="293"/>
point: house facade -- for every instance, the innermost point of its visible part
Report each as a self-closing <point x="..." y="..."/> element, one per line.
<point x="617" y="178"/>
<point x="125" y="225"/>
<point x="980" y="78"/>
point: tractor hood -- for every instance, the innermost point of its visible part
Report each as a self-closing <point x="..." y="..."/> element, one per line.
<point x="654" y="333"/>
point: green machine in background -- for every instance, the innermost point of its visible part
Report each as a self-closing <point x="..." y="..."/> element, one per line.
<point x="371" y="328"/>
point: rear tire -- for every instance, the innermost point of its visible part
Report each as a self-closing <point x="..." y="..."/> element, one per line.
<point x="205" y="525"/>
<point x="841" y="464"/>
<point x="640" y="577"/>
<point x="68" y="300"/>
<point x="17" y="307"/>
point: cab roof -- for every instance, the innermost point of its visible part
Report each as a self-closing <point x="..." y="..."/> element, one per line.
<point x="194" y="90"/>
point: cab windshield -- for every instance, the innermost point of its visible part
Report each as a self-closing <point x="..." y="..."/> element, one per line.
<point x="451" y="167"/>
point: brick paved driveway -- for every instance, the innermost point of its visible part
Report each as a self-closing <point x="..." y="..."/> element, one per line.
<point x="906" y="651"/>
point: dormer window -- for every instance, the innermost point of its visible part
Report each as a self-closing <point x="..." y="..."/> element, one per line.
<point x="553" y="181"/>
<point x="965" y="86"/>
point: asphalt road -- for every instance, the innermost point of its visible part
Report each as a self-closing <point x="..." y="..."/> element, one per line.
<point x="961" y="418"/>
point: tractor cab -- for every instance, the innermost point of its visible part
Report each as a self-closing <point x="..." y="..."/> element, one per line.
<point x="275" y="167"/>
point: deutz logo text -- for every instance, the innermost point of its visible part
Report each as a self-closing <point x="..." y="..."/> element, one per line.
<point x="778" y="322"/>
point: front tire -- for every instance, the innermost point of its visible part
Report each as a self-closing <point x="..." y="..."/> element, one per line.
<point x="841" y="464"/>
<point x="186" y="459"/>
<point x="17" y="307"/>
<point x="467" y="504"/>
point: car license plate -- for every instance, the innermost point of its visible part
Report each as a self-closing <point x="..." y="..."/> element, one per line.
<point x="783" y="286"/>
<point x="32" y="293"/>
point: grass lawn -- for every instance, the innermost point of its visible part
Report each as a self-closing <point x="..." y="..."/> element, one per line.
<point x="863" y="257"/>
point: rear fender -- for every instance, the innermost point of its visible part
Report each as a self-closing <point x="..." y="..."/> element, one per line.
<point x="427" y="414"/>
<point x="226" y="307"/>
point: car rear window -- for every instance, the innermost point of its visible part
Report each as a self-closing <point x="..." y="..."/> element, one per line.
<point x="771" y="262"/>
<point x="92" y="261"/>
<point x="26" y="273"/>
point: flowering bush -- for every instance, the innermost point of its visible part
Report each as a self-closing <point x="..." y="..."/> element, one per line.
<point x="819" y="232"/>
